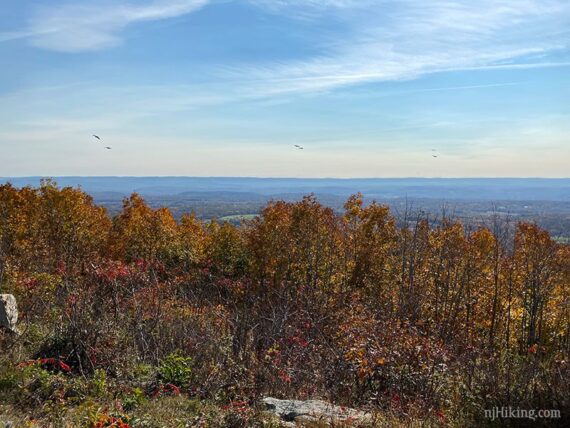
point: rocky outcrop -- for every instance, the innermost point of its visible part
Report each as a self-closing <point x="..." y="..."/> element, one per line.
<point x="8" y="312"/>
<point x="296" y="412"/>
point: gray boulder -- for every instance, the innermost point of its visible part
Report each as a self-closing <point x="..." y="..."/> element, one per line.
<point x="8" y="312"/>
<point x="311" y="411"/>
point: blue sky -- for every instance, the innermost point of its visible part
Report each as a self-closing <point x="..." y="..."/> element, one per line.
<point x="226" y="87"/>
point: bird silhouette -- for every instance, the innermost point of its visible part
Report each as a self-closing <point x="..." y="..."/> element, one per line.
<point x="433" y="156"/>
<point x="299" y="147"/>
<point x="108" y="148"/>
<point x="96" y="136"/>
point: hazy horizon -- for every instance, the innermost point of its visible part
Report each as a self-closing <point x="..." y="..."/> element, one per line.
<point x="254" y="188"/>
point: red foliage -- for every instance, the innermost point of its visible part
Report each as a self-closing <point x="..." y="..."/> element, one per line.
<point x="239" y="407"/>
<point x="52" y="363"/>
<point x="169" y="388"/>
<point x="106" y="421"/>
<point x="112" y="271"/>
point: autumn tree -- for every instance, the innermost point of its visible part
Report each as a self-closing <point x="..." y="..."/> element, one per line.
<point x="225" y="249"/>
<point x="193" y="237"/>
<point x="413" y="261"/>
<point x="49" y="228"/>
<point x="372" y="250"/>
<point x="12" y="225"/>
<point x="537" y="276"/>
<point x="139" y="232"/>
<point x="72" y="227"/>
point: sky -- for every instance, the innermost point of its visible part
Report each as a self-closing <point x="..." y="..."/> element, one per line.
<point x="369" y="88"/>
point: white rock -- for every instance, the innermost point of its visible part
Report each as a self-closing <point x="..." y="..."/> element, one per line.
<point x="315" y="411"/>
<point x="8" y="312"/>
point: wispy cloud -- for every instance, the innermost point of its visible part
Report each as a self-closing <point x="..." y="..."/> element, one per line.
<point x="376" y="41"/>
<point x="16" y="35"/>
<point x="398" y="40"/>
<point x="460" y="88"/>
<point x="95" y="25"/>
<point x="379" y="40"/>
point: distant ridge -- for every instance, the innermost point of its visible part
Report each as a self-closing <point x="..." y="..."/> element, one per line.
<point x="515" y="189"/>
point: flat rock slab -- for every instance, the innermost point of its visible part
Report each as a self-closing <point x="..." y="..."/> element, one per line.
<point x="299" y="412"/>
<point x="8" y="312"/>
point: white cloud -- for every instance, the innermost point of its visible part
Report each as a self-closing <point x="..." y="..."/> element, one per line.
<point x="96" y="25"/>
<point x="377" y="40"/>
<point x="397" y="40"/>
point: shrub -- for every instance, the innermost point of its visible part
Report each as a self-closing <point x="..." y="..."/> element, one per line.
<point x="176" y="369"/>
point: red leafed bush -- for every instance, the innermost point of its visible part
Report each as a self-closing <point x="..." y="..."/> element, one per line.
<point x="52" y="363"/>
<point x="106" y="421"/>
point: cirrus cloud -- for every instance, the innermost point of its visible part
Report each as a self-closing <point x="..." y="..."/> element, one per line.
<point x="96" y="25"/>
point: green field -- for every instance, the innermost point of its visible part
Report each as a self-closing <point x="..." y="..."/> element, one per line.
<point x="238" y="218"/>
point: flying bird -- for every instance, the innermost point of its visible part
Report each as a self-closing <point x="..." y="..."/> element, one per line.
<point x="433" y="156"/>
<point x="299" y="147"/>
<point x="96" y="136"/>
<point x="108" y="148"/>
